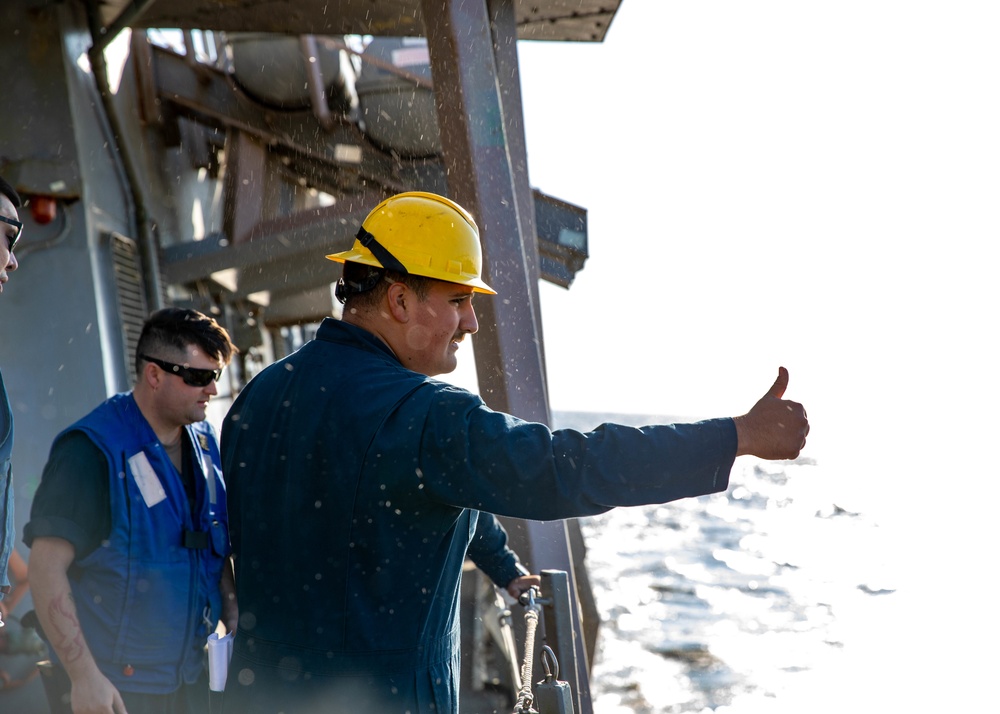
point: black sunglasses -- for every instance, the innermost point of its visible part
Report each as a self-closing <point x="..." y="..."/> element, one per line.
<point x="12" y="240"/>
<point x="191" y="375"/>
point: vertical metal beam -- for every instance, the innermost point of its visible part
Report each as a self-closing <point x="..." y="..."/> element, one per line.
<point x="473" y="138"/>
<point x="504" y="31"/>
<point x="246" y="167"/>
<point x="480" y="118"/>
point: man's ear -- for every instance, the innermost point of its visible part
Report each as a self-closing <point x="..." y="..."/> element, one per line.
<point x="399" y="299"/>
<point x="150" y="375"/>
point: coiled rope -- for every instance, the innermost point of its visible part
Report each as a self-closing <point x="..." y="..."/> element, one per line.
<point x="524" y="696"/>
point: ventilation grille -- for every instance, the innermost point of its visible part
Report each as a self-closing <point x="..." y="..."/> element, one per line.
<point x="130" y="296"/>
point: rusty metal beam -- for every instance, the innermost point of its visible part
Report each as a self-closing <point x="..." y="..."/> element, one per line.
<point x="560" y="20"/>
<point x="246" y="181"/>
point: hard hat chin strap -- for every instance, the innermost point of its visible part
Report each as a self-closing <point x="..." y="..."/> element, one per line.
<point x="387" y="259"/>
<point x="346" y="288"/>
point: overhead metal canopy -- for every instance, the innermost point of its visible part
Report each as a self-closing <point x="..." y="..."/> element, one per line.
<point x="559" y="20"/>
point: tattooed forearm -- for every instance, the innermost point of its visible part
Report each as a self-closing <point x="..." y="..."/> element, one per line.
<point x="66" y="635"/>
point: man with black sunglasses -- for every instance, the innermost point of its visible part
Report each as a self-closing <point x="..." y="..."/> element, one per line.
<point x="10" y="231"/>
<point x="130" y="568"/>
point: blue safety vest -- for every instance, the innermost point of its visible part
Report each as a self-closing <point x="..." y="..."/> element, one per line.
<point x="148" y="598"/>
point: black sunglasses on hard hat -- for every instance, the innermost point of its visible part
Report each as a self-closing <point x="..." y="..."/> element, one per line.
<point x="18" y="227"/>
<point x="191" y="375"/>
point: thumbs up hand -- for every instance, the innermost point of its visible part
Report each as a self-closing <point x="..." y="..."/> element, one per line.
<point x="774" y="428"/>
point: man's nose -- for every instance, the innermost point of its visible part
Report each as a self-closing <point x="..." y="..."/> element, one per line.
<point x="469" y="322"/>
<point x="11" y="262"/>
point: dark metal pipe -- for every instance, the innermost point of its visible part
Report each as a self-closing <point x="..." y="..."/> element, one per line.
<point x="314" y="76"/>
<point x="138" y="217"/>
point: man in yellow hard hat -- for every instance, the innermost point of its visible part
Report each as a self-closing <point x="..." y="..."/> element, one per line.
<point x="358" y="483"/>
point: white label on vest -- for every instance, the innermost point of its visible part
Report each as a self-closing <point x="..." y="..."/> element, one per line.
<point x="144" y="475"/>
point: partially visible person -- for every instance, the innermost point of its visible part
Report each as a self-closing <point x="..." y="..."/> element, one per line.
<point x="17" y="574"/>
<point x="18" y="637"/>
<point x="130" y="567"/>
<point x="10" y="232"/>
<point x="359" y="483"/>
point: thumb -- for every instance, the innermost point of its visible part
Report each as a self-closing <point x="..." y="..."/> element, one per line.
<point x="777" y="389"/>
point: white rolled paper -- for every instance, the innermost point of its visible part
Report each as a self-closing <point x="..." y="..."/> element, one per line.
<point x="220" y="651"/>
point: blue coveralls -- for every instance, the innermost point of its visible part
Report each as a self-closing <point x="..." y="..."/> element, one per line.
<point x="355" y="490"/>
<point x="145" y="598"/>
<point x="6" y="487"/>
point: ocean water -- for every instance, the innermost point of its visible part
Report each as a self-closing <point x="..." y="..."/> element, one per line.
<point x="770" y="597"/>
<point x="731" y="602"/>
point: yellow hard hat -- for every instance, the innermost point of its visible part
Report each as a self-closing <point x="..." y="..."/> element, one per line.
<point x="421" y="234"/>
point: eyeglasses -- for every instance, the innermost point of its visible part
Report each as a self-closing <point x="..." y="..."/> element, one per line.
<point x="191" y="375"/>
<point x="12" y="240"/>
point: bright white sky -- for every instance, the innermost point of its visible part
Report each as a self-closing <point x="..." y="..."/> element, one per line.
<point x="805" y="184"/>
<point x="813" y="185"/>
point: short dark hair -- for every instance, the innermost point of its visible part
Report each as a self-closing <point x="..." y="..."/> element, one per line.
<point x="176" y="328"/>
<point x="366" y="284"/>
<point x="7" y="190"/>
